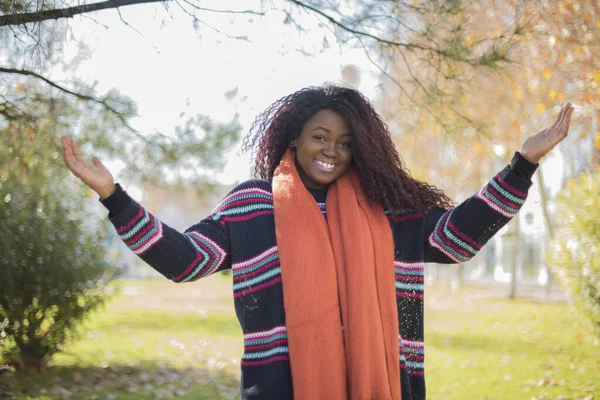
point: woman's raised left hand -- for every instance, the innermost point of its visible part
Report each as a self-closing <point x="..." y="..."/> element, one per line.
<point x="540" y="144"/>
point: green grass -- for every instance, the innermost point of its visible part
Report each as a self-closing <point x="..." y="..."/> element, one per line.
<point x="502" y="349"/>
<point x="144" y="355"/>
<point x="476" y="349"/>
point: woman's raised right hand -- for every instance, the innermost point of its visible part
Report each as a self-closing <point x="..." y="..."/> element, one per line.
<point x="96" y="176"/>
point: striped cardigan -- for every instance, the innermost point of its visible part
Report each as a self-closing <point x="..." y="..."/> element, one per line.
<point x="240" y="235"/>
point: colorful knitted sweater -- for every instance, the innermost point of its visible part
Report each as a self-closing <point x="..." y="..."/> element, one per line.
<point x="240" y="234"/>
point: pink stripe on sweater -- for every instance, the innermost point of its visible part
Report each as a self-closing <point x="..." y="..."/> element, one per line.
<point x="509" y="188"/>
<point x="246" y="217"/>
<point x="265" y="346"/>
<point x="413" y="372"/>
<point x="493" y="205"/>
<point x="191" y="267"/>
<point x="256" y="288"/>
<point x="244" y="202"/>
<point x="410" y="295"/>
<point x="447" y="242"/>
<point x="501" y="198"/>
<point x="410" y="278"/>
<point x="254" y="273"/>
<point x="141" y="234"/>
<point x="135" y="219"/>
<point x="263" y="362"/>
<point x="463" y="236"/>
<point x="401" y="218"/>
<point x="277" y="330"/>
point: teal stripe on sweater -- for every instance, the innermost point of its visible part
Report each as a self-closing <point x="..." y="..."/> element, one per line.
<point x="265" y="341"/>
<point x="237" y="271"/>
<point x="500" y="203"/>
<point x="268" y="353"/>
<point x="138" y="227"/>
<point x="262" y="277"/>
<point x="507" y="194"/>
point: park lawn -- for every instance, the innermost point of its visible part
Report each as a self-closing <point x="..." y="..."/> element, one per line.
<point x="153" y="347"/>
<point x="480" y="348"/>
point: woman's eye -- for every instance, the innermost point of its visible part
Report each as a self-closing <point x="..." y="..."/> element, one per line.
<point x="321" y="138"/>
<point x="348" y="144"/>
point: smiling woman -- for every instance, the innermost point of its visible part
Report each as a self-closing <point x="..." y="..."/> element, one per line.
<point x="323" y="149"/>
<point x="327" y="247"/>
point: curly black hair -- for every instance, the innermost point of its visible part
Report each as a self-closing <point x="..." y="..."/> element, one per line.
<point x="381" y="171"/>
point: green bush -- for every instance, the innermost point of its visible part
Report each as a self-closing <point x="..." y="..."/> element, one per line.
<point x="52" y="262"/>
<point x="574" y="254"/>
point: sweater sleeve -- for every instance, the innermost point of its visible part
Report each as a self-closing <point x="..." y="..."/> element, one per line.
<point x="454" y="236"/>
<point x="201" y="250"/>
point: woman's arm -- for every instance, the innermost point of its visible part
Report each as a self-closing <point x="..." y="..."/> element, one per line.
<point x="458" y="234"/>
<point x="201" y="250"/>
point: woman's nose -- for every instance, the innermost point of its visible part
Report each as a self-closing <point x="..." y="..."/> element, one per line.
<point x="329" y="150"/>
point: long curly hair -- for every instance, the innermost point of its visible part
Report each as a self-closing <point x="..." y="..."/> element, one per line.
<point x="381" y="171"/>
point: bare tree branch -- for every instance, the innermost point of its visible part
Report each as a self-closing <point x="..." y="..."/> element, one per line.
<point x="70" y="12"/>
<point x="81" y="96"/>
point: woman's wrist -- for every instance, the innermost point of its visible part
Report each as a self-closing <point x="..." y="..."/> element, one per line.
<point x="107" y="191"/>
<point x="528" y="157"/>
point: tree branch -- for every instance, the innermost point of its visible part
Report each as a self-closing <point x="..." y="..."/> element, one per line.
<point x="70" y="12"/>
<point x="107" y="106"/>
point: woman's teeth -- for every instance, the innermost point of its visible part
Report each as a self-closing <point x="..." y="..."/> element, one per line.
<point x="325" y="165"/>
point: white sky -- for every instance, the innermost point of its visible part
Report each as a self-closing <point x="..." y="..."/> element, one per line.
<point x="161" y="67"/>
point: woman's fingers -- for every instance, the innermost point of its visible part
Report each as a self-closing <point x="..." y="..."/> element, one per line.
<point x="566" y="119"/>
<point x="78" y="155"/>
<point x="72" y="157"/>
<point x="68" y="156"/>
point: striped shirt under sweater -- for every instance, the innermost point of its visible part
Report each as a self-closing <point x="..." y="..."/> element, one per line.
<point x="240" y="234"/>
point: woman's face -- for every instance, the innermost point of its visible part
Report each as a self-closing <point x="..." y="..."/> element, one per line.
<point x="323" y="149"/>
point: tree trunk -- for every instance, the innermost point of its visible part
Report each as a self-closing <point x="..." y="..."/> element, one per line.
<point x="516" y="234"/>
<point x="547" y="222"/>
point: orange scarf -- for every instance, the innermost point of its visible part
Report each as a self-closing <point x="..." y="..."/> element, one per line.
<point x="337" y="273"/>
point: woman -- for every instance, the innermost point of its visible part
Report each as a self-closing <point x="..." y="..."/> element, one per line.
<point x="327" y="248"/>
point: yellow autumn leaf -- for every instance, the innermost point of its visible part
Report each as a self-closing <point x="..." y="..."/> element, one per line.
<point x="598" y="24"/>
<point x="469" y="41"/>
<point x="517" y="93"/>
<point x="539" y="108"/>
<point x="597" y="76"/>
<point x="547" y="73"/>
<point x="571" y="183"/>
<point x="597" y="142"/>
<point x="578" y="50"/>
<point x="20" y="87"/>
<point x="552" y="94"/>
<point x="561" y="6"/>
